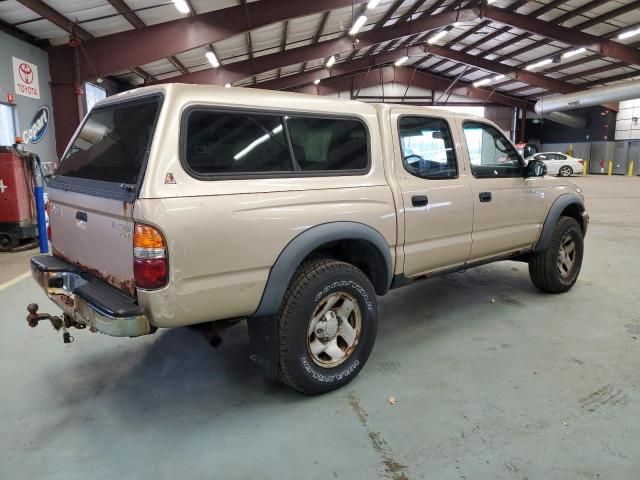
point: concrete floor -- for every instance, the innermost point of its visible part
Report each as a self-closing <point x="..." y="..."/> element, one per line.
<point x="532" y="386"/>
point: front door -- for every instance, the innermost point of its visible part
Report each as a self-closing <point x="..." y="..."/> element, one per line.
<point x="437" y="202"/>
<point x="509" y="209"/>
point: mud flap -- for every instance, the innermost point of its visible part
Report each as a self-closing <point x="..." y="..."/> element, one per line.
<point x="264" y="344"/>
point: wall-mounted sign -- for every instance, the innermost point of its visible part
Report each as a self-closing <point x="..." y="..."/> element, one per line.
<point x="25" y="77"/>
<point x="38" y="127"/>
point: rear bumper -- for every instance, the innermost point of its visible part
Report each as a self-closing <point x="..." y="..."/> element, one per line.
<point x="89" y="300"/>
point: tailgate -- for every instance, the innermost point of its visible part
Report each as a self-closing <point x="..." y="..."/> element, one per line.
<point x="94" y="233"/>
<point x="94" y="189"/>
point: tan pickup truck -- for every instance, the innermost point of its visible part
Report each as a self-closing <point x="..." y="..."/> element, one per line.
<point x="182" y="205"/>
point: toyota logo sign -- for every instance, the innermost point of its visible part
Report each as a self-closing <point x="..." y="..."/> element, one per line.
<point x="25" y="78"/>
<point x="26" y="73"/>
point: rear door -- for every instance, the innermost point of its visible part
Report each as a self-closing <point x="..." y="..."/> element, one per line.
<point x="92" y="193"/>
<point x="437" y="202"/>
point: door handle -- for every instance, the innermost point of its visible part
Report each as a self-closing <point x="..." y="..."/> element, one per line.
<point x="82" y="216"/>
<point x="419" y="200"/>
<point x="485" y="196"/>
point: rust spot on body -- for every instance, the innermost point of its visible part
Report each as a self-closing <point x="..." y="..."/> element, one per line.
<point x="126" y="285"/>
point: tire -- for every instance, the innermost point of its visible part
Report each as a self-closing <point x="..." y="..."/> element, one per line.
<point x="7" y="241"/>
<point x="565" y="171"/>
<point x="332" y="287"/>
<point x="549" y="270"/>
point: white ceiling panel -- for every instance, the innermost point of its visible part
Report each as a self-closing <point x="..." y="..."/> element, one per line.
<point x="13" y="12"/>
<point x="161" y="12"/>
<point x="43" y="29"/>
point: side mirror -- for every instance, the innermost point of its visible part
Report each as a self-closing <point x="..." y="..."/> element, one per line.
<point x="536" y="168"/>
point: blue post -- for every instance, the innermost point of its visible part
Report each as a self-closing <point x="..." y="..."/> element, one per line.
<point x="42" y="221"/>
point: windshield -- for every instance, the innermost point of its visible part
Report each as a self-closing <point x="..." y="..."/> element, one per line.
<point x="113" y="143"/>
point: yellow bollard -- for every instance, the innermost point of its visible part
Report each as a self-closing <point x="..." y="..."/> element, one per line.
<point x="585" y="166"/>
<point x="610" y="167"/>
<point x="631" y="168"/>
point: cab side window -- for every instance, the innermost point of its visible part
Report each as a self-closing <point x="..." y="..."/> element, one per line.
<point x="427" y="148"/>
<point x="490" y="153"/>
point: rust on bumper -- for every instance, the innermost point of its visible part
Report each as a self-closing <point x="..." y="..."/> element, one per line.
<point x="65" y="289"/>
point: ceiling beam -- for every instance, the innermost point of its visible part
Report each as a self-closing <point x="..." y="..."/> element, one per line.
<point x="363" y="64"/>
<point x="55" y="17"/>
<point x="123" y="9"/>
<point x="21" y="35"/>
<point x="388" y="14"/>
<point x="541" y="11"/>
<point x="70" y="27"/>
<point x="521" y="75"/>
<point x="570" y="36"/>
<point x="154" y="42"/>
<point x="340" y="47"/>
<point x="405" y="76"/>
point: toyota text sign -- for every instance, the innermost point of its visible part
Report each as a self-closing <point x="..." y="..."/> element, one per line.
<point x="25" y="77"/>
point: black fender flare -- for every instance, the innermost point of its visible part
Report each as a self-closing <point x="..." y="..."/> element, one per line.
<point x="306" y="242"/>
<point x="562" y="202"/>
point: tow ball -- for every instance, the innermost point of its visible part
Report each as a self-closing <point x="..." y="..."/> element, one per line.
<point x="57" y="322"/>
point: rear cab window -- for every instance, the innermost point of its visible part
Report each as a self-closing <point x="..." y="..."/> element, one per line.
<point x="427" y="147"/>
<point x="233" y="144"/>
<point x="108" y="155"/>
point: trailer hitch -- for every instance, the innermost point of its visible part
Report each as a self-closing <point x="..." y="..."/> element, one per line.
<point x="58" y="323"/>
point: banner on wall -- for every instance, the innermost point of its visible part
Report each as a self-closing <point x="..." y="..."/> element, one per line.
<point x="25" y="78"/>
<point x="38" y="126"/>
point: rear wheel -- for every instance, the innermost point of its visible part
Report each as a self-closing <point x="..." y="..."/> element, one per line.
<point x="327" y="326"/>
<point x="556" y="268"/>
<point x="565" y="171"/>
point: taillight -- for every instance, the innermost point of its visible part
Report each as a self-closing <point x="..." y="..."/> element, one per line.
<point x="150" y="266"/>
<point x="581" y="162"/>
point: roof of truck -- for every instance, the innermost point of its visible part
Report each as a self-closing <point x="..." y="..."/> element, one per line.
<point x="262" y="98"/>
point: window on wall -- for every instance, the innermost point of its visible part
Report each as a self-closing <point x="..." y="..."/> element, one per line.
<point x="490" y="153"/>
<point x="7" y="125"/>
<point x="93" y="94"/>
<point x="427" y="147"/>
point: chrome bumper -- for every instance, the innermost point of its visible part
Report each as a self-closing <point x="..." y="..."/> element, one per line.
<point x="88" y="300"/>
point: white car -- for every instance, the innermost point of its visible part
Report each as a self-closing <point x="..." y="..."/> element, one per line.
<point x="559" y="163"/>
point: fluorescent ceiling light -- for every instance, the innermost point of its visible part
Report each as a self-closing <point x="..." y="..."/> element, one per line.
<point x="227" y="85"/>
<point x="437" y="36"/>
<point x="316" y="81"/>
<point x="357" y="25"/>
<point x="257" y="142"/>
<point x="498" y="77"/>
<point x="372" y="4"/>
<point x="629" y="34"/>
<point x="213" y="60"/>
<point x="331" y="61"/>
<point x="573" y="53"/>
<point x="541" y="63"/>
<point x="491" y="1"/>
<point x="400" y="61"/>
<point x="484" y="81"/>
<point x="182" y="6"/>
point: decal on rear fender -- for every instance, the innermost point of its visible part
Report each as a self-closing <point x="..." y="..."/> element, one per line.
<point x="125" y="230"/>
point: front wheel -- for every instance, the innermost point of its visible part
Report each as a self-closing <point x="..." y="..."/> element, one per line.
<point x="565" y="171"/>
<point x="327" y="326"/>
<point x="556" y="268"/>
